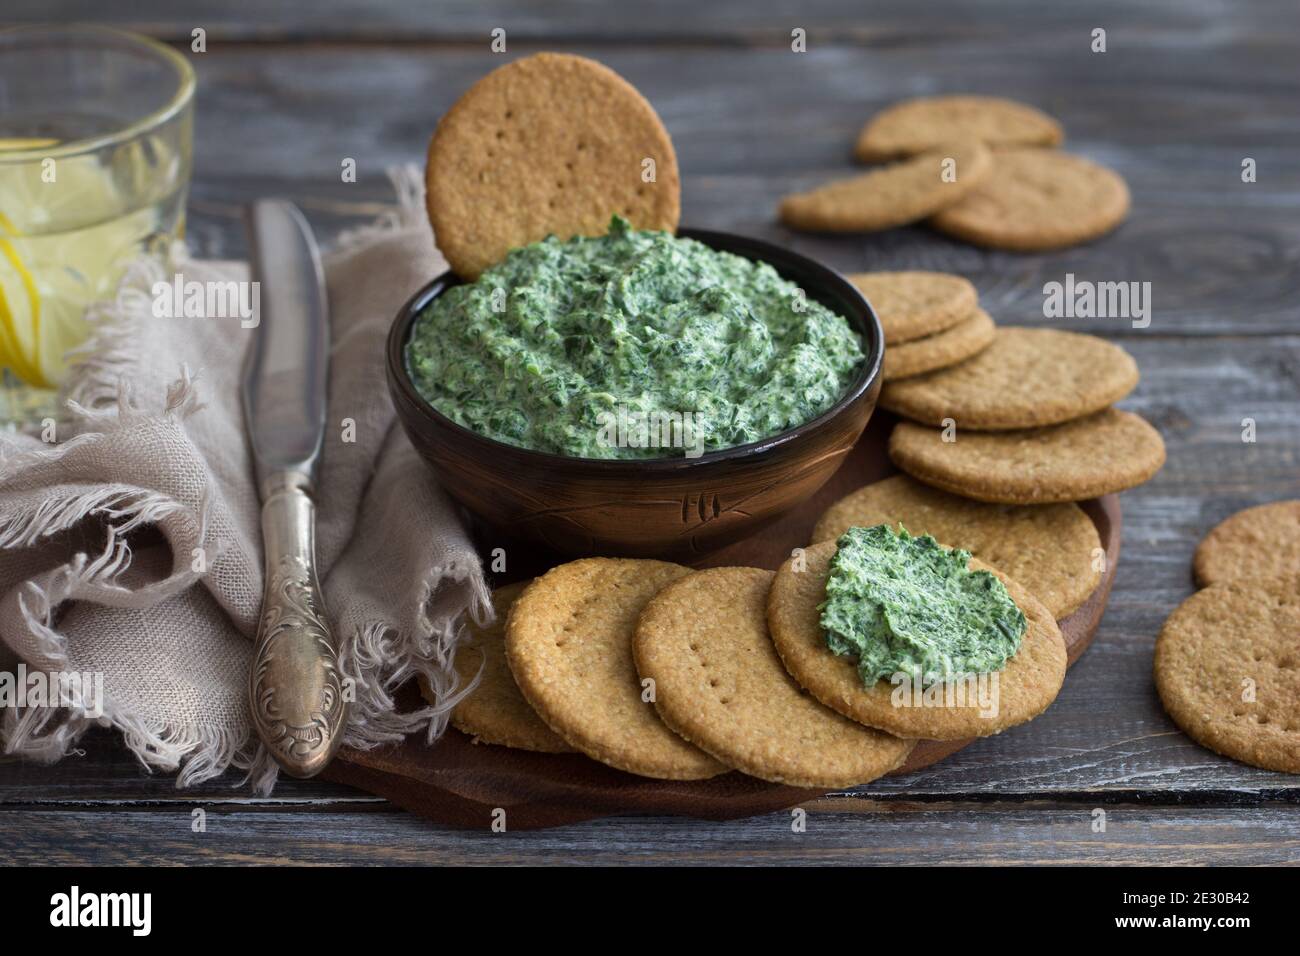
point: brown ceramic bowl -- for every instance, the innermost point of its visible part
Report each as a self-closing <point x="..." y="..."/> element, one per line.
<point x="671" y="508"/>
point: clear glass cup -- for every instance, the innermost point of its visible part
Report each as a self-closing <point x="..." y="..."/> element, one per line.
<point x="96" y="130"/>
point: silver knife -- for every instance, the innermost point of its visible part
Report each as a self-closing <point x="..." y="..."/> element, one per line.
<point x="295" y="686"/>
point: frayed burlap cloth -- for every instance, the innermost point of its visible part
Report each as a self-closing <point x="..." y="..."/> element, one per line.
<point x="131" y="546"/>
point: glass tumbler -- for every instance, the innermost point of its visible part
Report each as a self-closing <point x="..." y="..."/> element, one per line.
<point x="95" y="158"/>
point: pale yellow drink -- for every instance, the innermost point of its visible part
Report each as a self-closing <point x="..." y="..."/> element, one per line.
<point x="95" y="134"/>
<point x="68" y="227"/>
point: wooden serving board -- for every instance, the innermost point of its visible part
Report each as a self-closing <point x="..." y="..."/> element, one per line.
<point x="459" y="783"/>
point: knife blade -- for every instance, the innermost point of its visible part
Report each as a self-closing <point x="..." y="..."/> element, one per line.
<point x="296" y="693"/>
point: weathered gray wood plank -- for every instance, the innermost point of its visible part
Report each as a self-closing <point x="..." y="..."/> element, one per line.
<point x="838" y="832"/>
<point x="881" y="22"/>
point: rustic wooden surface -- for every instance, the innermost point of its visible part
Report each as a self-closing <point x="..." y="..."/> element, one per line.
<point x="1186" y="90"/>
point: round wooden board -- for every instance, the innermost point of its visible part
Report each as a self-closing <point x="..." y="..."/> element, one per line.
<point x="463" y="784"/>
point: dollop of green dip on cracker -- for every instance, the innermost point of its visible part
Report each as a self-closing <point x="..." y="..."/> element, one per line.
<point x="634" y="344"/>
<point x="904" y="604"/>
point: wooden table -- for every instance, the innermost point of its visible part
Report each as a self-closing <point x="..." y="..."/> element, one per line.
<point x="1186" y="90"/>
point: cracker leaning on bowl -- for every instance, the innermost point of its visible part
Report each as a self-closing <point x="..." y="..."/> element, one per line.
<point x="548" y="144"/>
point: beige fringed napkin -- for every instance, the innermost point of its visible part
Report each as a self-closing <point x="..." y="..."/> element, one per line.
<point x="157" y="440"/>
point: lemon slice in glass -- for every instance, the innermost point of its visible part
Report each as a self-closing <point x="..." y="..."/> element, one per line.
<point x="63" y="244"/>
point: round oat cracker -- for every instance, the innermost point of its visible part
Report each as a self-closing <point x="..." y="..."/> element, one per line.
<point x="1049" y="549"/>
<point x="1227" y="668"/>
<point x="1086" y="458"/>
<point x="548" y="144"/>
<point x="912" y="305"/>
<point x="1038" y="199"/>
<point x="720" y="684"/>
<point x="895" y="195"/>
<point x="1259" y="542"/>
<point x="916" y="125"/>
<point x="1024" y="379"/>
<point x="569" y="644"/>
<point x="941" y="350"/>
<point x="496" y="712"/>
<point x="1026" y="686"/>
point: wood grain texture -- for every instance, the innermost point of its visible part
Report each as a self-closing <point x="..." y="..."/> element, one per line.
<point x="884" y="22"/>
<point x="849" y="831"/>
<point x="1186" y="91"/>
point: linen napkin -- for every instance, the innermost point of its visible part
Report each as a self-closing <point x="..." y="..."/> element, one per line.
<point x="130" y="546"/>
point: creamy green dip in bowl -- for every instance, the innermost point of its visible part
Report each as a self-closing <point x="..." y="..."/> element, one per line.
<point x="683" y="495"/>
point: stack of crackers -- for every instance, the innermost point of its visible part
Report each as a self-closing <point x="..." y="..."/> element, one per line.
<point x="1027" y="420"/>
<point x="931" y="320"/>
<point x="1227" y="662"/>
<point x="979" y="168"/>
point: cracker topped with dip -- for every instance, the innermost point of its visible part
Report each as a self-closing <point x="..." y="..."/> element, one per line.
<point x="1003" y="664"/>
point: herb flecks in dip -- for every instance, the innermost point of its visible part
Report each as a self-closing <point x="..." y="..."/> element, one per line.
<point x="589" y="347"/>
<point x="904" y="604"/>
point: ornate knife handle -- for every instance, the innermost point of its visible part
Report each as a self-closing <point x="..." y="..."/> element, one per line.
<point x="295" y="686"/>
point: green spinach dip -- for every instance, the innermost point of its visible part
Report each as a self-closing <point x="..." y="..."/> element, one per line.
<point x="635" y="344"/>
<point x="904" y="604"/>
